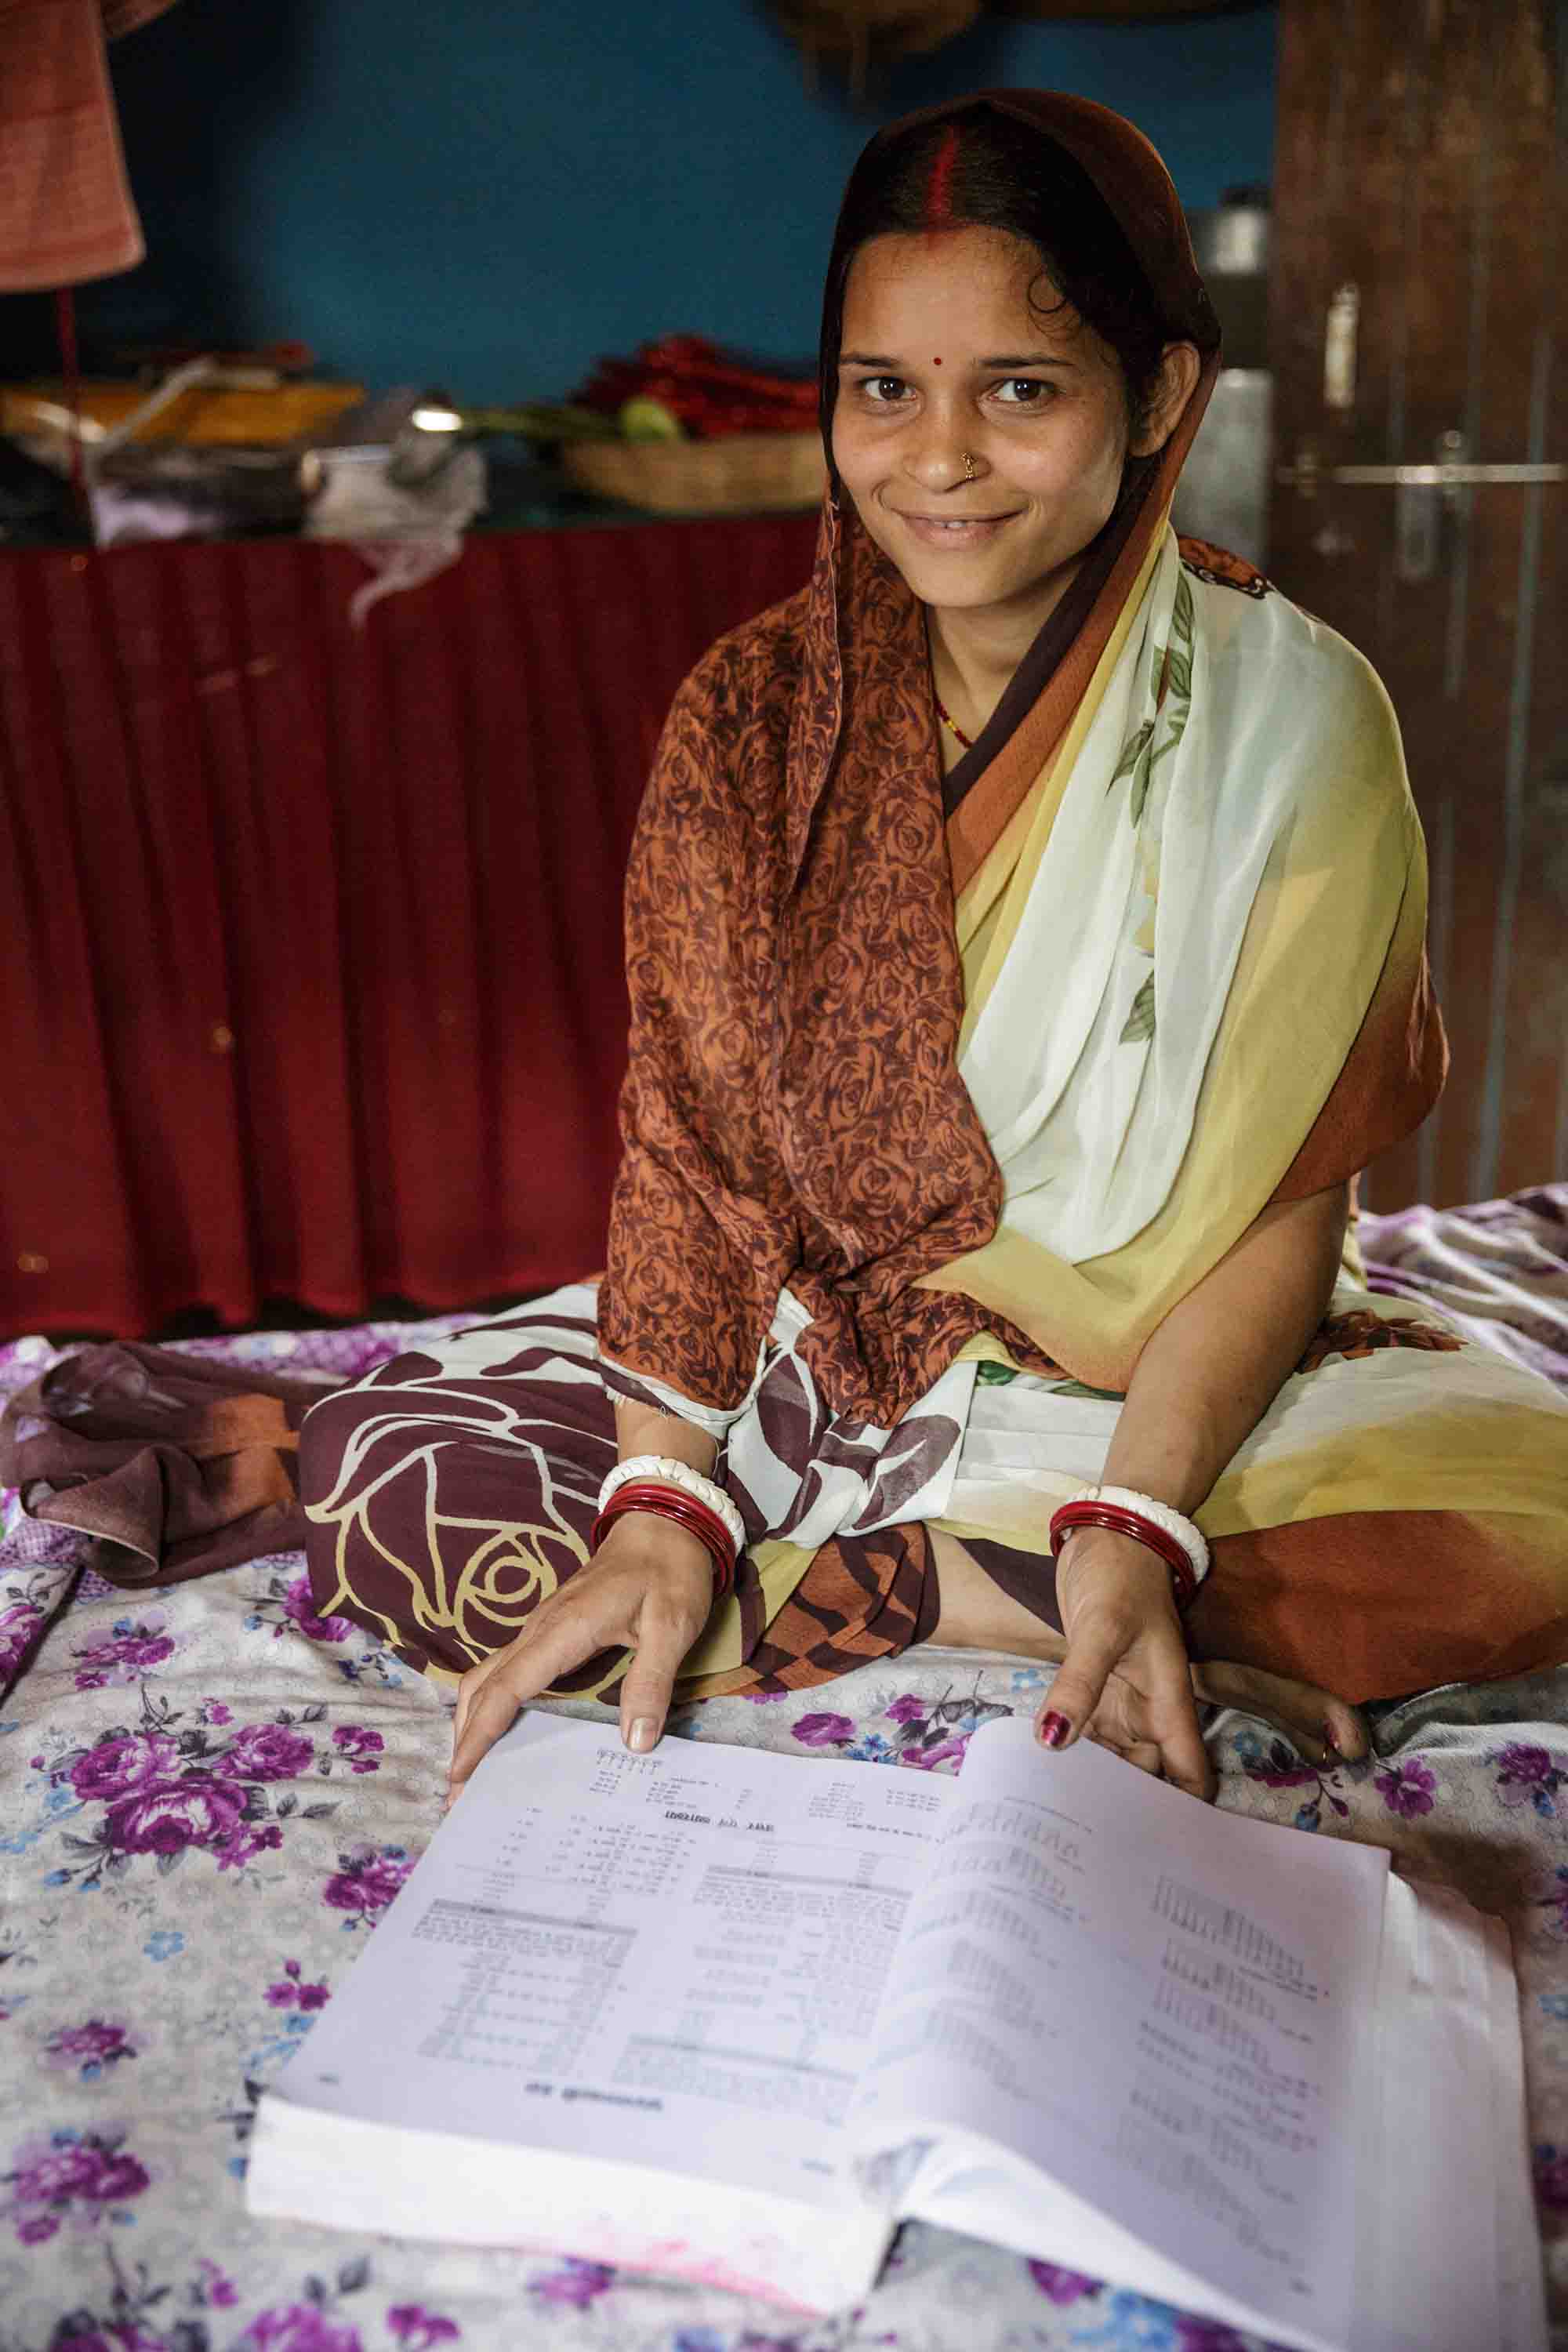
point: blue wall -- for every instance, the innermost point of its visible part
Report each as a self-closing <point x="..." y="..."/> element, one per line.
<point x="488" y="194"/>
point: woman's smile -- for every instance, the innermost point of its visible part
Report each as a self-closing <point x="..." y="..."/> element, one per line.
<point x="956" y="535"/>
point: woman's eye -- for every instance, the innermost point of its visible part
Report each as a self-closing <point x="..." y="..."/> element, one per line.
<point x="1030" y="392"/>
<point x="881" y="389"/>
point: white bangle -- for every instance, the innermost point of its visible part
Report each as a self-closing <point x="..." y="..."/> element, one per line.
<point x="1185" y="1531"/>
<point x="671" y="1472"/>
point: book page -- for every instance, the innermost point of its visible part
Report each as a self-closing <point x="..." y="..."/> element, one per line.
<point x="1161" y="2006"/>
<point x="1450" y="2254"/>
<point x="671" y="1959"/>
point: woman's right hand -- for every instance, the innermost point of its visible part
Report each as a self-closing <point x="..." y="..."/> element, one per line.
<point x="648" y="1589"/>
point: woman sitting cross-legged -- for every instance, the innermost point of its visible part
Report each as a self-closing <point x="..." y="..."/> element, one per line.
<point x="1025" y="949"/>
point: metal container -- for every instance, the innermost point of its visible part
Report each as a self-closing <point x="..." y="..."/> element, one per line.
<point x="1222" y="494"/>
<point x="1233" y="238"/>
<point x="1231" y="243"/>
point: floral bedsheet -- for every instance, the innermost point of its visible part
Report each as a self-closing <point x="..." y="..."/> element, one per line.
<point x="210" y="1799"/>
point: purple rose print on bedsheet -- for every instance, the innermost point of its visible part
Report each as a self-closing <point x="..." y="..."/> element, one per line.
<point x="1193" y="2335"/>
<point x="1529" y="1776"/>
<point x="360" y="1746"/>
<point x="823" y="1730"/>
<point x="214" y="2286"/>
<point x="291" y="1992"/>
<point x="21" y="1623"/>
<point x="81" y="2177"/>
<point x="289" y="1607"/>
<point x="176" y="1787"/>
<point x="299" y="2327"/>
<point x="136" y="2311"/>
<point x="168" y="1816"/>
<point x="1408" y="1789"/>
<point x="120" y="1763"/>
<point x="577" y="2284"/>
<point x="90" y="2049"/>
<point x="365" y="1881"/>
<point x="312" y="2323"/>
<point x="1061" y="2286"/>
<point x="418" y="2330"/>
<point x="930" y="1735"/>
<point x="1273" y="1763"/>
<point x="124" y="1655"/>
<point x="266" y="1751"/>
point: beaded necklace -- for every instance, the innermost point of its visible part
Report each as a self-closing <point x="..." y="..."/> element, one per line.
<point x="948" y="720"/>
<point x="943" y="712"/>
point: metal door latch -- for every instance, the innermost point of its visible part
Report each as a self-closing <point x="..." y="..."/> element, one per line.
<point x="1423" y="494"/>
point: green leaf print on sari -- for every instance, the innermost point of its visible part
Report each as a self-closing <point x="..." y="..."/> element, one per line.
<point x="1171" y="684"/>
<point x="1139" y="1025"/>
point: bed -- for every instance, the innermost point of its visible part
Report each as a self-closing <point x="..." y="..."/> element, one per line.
<point x="211" y="1795"/>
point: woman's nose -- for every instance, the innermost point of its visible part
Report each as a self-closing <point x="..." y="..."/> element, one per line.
<point x="940" y="460"/>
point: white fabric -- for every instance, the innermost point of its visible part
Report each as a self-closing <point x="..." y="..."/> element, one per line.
<point x="1089" y="1128"/>
<point x="860" y="1477"/>
<point x="717" y="1421"/>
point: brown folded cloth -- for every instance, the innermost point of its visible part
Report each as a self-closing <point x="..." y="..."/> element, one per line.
<point x="175" y="1466"/>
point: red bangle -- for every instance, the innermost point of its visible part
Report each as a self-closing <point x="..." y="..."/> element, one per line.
<point x="670" y="1502"/>
<point x="1088" y="1513"/>
<point x="666" y="1502"/>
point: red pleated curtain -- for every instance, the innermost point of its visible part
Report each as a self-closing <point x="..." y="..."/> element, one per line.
<point x="310" y="938"/>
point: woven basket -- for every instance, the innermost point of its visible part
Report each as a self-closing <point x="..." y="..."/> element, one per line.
<point x="742" y="473"/>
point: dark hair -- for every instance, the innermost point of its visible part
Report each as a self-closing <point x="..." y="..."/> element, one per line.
<point x="981" y="168"/>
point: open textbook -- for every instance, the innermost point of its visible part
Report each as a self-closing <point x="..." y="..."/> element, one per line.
<point x="735" y="2015"/>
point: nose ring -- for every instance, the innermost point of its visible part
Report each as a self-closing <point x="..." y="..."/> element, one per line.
<point x="968" y="466"/>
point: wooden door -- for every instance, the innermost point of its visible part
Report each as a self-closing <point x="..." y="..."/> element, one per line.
<point x="1416" y="317"/>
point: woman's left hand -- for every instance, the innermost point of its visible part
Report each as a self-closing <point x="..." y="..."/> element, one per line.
<point x="1126" y="1680"/>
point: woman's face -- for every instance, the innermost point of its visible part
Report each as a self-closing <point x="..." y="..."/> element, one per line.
<point x="942" y="355"/>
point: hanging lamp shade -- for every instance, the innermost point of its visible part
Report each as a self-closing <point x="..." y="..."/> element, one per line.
<point x="851" y="36"/>
<point x="1123" y="12"/>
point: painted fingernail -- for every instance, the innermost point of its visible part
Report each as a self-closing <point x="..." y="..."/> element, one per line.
<point x="644" y="1732"/>
<point x="1054" y="1730"/>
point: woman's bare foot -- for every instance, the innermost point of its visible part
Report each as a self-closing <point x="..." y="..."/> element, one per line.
<point x="976" y="1614"/>
<point x="1319" y="1726"/>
